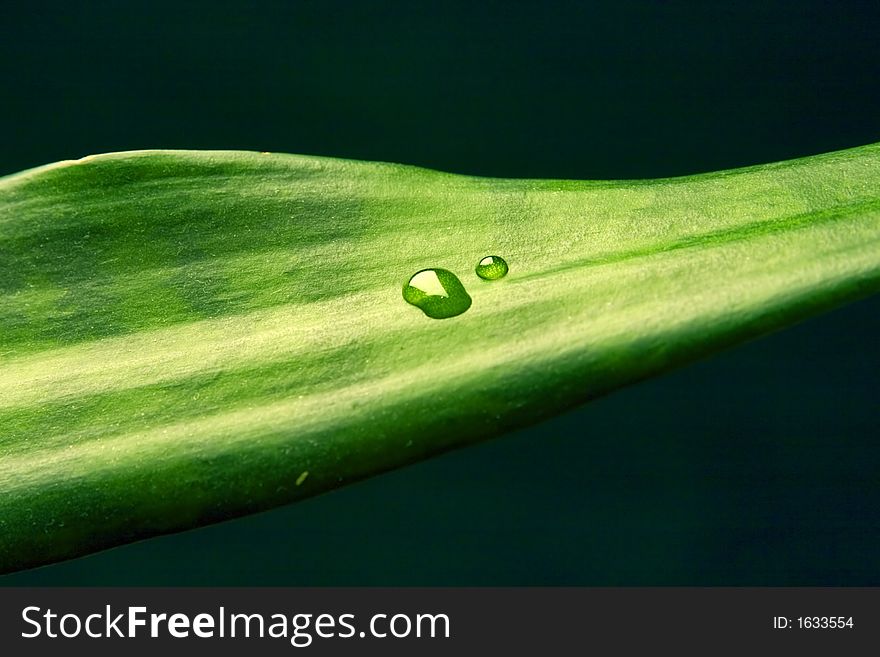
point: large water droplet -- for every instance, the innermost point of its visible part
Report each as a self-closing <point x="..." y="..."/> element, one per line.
<point x="492" y="268"/>
<point x="438" y="292"/>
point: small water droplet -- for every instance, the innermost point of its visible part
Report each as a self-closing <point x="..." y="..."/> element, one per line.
<point x="438" y="293"/>
<point x="492" y="268"/>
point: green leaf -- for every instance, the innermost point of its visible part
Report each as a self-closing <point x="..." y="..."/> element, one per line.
<point x="191" y="336"/>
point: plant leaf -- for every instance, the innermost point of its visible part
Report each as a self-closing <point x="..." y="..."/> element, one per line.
<point x="190" y="336"/>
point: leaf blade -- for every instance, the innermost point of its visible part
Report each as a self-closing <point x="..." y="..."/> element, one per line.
<point x="206" y="327"/>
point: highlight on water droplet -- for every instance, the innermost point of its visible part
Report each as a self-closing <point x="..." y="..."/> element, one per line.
<point x="491" y="268"/>
<point x="437" y="292"/>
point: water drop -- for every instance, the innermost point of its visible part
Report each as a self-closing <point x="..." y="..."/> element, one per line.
<point x="492" y="268"/>
<point x="438" y="293"/>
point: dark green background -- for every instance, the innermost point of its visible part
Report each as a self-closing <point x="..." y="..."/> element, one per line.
<point x="759" y="466"/>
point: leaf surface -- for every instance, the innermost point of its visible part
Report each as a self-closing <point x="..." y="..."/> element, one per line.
<point x="190" y="336"/>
